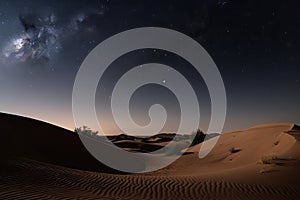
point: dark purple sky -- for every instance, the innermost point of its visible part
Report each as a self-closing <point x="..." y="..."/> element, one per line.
<point x="255" y="45"/>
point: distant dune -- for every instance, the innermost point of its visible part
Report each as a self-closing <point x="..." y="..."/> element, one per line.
<point x="42" y="161"/>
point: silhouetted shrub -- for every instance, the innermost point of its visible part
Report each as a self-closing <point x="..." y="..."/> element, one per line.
<point x="84" y="130"/>
<point x="199" y="137"/>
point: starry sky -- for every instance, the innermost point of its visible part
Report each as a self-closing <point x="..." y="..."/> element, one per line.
<point x="254" y="43"/>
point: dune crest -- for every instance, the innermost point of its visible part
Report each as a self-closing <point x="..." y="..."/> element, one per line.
<point x="40" y="161"/>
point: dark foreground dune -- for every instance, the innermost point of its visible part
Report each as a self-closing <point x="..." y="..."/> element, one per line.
<point x="29" y="138"/>
<point x="41" y="161"/>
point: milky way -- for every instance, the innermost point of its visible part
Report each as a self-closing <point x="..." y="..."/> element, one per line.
<point x="41" y="37"/>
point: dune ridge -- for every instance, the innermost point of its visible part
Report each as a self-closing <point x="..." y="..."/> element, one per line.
<point x="41" y="161"/>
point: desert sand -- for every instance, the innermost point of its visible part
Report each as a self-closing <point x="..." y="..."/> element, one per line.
<point x="42" y="161"/>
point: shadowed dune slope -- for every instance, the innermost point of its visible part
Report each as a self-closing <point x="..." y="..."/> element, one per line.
<point x="37" y="140"/>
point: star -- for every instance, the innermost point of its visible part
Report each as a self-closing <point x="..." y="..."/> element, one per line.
<point x="222" y="2"/>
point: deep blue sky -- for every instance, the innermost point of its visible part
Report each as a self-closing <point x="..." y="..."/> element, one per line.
<point x="255" y="45"/>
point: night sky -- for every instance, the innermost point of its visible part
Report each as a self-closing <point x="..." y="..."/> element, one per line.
<point x="254" y="43"/>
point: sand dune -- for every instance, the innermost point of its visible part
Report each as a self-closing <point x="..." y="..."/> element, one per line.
<point x="139" y="146"/>
<point x="42" y="181"/>
<point x="258" y="163"/>
<point x="23" y="137"/>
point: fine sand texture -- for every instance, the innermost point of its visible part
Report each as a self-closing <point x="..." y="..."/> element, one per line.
<point x="42" y="161"/>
